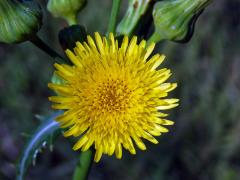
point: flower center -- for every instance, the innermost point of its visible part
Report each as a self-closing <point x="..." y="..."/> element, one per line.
<point x="112" y="96"/>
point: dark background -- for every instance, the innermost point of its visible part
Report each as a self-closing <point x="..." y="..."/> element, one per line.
<point x="204" y="143"/>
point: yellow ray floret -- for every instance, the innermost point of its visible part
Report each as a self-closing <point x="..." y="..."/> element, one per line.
<point x="112" y="96"/>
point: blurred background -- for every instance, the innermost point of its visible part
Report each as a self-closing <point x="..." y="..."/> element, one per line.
<point x="204" y="143"/>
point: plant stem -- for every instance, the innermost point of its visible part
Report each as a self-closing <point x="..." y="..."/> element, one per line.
<point x="44" y="47"/>
<point x="84" y="164"/>
<point x="113" y="16"/>
<point x="154" y="38"/>
<point x="71" y="20"/>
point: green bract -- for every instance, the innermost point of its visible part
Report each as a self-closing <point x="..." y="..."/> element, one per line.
<point x="67" y="9"/>
<point x="19" y="21"/>
<point x="136" y="9"/>
<point x="174" y="19"/>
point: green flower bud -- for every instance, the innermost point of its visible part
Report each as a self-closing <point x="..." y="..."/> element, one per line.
<point x="19" y="20"/>
<point x="67" y="9"/>
<point x="70" y="35"/>
<point x="175" y="19"/>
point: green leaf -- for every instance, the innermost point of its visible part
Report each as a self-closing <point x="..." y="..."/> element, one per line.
<point x="39" y="140"/>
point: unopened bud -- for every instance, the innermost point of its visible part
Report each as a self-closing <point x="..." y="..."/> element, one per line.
<point x="67" y="9"/>
<point x="175" y="20"/>
<point x="19" y="20"/>
<point x="70" y="35"/>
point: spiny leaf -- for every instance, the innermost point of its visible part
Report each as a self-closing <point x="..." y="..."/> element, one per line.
<point x="39" y="140"/>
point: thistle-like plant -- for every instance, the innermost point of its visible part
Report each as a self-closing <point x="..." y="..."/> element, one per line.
<point x="111" y="92"/>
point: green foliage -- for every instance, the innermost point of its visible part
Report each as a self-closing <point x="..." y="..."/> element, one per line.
<point x="136" y="9"/>
<point x="41" y="138"/>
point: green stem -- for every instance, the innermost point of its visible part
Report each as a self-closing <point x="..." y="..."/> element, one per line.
<point x="154" y="38"/>
<point x="44" y="47"/>
<point x="84" y="164"/>
<point x="113" y="16"/>
<point x="72" y="20"/>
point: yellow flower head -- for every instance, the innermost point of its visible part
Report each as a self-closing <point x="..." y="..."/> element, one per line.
<point x="112" y="96"/>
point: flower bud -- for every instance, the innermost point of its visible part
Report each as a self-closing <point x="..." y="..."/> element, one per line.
<point x="175" y="20"/>
<point x="70" y="35"/>
<point x="67" y="9"/>
<point x="19" y="20"/>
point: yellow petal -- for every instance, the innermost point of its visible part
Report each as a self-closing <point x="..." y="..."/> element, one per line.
<point x="149" y="51"/>
<point x="80" y="143"/>
<point x="73" y="58"/>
